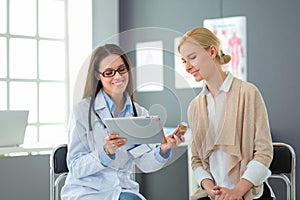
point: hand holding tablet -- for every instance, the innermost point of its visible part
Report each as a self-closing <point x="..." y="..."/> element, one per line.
<point x="141" y="130"/>
<point x="137" y="130"/>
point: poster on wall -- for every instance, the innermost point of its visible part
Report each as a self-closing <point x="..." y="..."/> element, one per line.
<point x="232" y="33"/>
<point x="182" y="78"/>
<point x="149" y="68"/>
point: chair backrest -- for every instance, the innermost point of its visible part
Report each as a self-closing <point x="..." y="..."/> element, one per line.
<point x="283" y="167"/>
<point x="58" y="170"/>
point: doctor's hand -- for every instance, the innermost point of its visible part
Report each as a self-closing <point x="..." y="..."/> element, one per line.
<point x="170" y="142"/>
<point x="113" y="142"/>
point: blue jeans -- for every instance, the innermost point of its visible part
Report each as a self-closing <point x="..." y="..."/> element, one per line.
<point x="128" y="196"/>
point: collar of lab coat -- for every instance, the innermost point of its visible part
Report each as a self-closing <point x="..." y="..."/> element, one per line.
<point x="112" y="106"/>
<point x="102" y="109"/>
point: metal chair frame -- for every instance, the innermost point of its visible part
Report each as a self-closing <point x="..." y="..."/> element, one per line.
<point x="285" y="171"/>
<point x="58" y="170"/>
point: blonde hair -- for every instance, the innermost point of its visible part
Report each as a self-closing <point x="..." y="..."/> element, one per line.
<point x="205" y="38"/>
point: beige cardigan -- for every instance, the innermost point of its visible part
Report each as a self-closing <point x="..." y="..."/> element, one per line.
<point x="245" y="134"/>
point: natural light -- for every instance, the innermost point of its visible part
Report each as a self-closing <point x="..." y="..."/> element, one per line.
<point x="43" y="44"/>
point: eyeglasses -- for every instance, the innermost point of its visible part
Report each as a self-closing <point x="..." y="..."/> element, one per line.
<point x="111" y="72"/>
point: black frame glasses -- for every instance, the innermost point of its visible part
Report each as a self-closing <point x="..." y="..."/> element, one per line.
<point x="112" y="72"/>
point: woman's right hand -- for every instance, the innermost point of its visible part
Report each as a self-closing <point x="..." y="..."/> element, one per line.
<point x="113" y="142"/>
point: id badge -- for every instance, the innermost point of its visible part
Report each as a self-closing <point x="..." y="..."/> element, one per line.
<point x="139" y="150"/>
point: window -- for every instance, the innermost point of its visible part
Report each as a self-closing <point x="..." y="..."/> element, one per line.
<point x="34" y="65"/>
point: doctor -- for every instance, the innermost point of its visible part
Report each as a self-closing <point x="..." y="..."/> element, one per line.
<point x="99" y="163"/>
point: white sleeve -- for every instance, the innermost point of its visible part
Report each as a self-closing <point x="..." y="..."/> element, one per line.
<point x="256" y="173"/>
<point x="201" y="174"/>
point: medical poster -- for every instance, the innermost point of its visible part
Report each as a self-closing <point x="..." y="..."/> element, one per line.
<point x="149" y="68"/>
<point x="182" y="78"/>
<point x="232" y="33"/>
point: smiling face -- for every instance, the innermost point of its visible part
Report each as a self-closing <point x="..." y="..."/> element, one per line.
<point x="115" y="85"/>
<point x="197" y="60"/>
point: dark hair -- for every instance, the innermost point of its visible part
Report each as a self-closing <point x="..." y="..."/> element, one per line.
<point x="93" y="85"/>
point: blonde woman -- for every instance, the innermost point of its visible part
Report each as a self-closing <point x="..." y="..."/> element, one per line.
<point x="231" y="140"/>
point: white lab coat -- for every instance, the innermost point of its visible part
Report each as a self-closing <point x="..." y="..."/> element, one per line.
<point x="88" y="178"/>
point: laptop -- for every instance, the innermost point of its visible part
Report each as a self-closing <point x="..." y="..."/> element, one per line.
<point x="12" y="127"/>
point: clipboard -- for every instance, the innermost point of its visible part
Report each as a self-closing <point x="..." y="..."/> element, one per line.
<point x="137" y="130"/>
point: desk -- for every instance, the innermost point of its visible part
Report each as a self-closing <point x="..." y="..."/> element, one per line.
<point x="11" y="151"/>
<point x="24" y="173"/>
<point x="25" y="177"/>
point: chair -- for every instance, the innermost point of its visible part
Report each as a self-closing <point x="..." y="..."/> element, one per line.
<point x="283" y="167"/>
<point x="58" y="170"/>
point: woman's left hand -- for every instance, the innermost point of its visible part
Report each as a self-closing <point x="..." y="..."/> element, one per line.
<point x="170" y="142"/>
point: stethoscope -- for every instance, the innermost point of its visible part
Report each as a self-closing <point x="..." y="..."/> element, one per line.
<point x="101" y="121"/>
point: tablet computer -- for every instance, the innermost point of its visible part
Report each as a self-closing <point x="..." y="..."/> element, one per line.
<point x="137" y="130"/>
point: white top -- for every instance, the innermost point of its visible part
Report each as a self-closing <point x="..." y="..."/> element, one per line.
<point x="256" y="172"/>
<point x="93" y="175"/>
